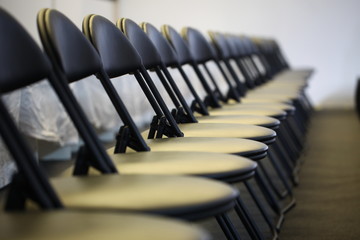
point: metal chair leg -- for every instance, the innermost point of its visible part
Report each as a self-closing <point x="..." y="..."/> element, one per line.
<point x="260" y="207"/>
<point x="279" y="193"/>
<point x="227" y="227"/>
<point x="280" y="172"/>
<point x="247" y="220"/>
<point x="271" y="199"/>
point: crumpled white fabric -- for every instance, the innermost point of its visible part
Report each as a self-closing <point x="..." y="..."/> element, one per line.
<point x="43" y="117"/>
<point x="7" y="164"/>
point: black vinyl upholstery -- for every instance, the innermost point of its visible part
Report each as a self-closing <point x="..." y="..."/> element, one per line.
<point x="117" y="60"/>
<point x="68" y="56"/>
<point x="149" y="55"/>
<point x="20" y="51"/>
<point x="178" y="43"/>
<point x="199" y="46"/>
<point x="166" y="51"/>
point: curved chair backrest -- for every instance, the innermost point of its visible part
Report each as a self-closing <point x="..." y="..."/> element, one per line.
<point x="166" y="51"/>
<point x="118" y="57"/>
<point x="22" y="63"/>
<point x="198" y="45"/>
<point x="221" y="45"/>
<point x="231" y="43"/>
<point x="146" y="49"/>
<point x="65" y="45"/>
<point x="178" y="43"/>
<point x="73" y="58"/>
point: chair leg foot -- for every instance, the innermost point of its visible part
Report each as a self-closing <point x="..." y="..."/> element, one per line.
<point x="289" y="206"/>
<point x="279" y="222"/>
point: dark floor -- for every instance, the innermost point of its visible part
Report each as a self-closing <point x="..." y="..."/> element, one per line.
<point x="328" y="197"/>
<point x="329" y="194"/>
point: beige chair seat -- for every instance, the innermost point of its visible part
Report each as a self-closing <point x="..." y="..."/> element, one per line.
<point x="242" y="147"/>
<point x="225" y="130"/>
<point x="283" y="97"/>
<point x="263" y="121"/>
<point x="224" y="167"/>
<point x="185" y="197"/>
<point x="69" y="225"/>
<point x="270" y="99"/>
<point x="275" y="113"/>
<point x="219" y="166"/>
<point x="261" y="105"/>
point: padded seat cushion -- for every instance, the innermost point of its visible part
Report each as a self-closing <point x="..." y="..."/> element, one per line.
<point x="211" y="165"/>
<point x="263" y="121"/>
<point x="275" y="113"/>
<point x="224" y="130"/>
<point x="261" y="105"/>
<point x="214" y="165"/>
<point x="169" y="195"/>
<point x="69" y="225"/>
<point x="283" y="97"/>
<point x="242" y="147"/>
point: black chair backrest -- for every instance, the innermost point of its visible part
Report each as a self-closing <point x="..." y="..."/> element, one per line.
<point x="149" y="55"/>
<point x="57" y="32"/>
<point x="178" y="43"/>
<point x="118" y="57"/>
<point x="199" y="47"/>
<point x="17" y="71"/>
<point x="221" y="45"/>
<point x="167" y="53"/>
<point x="73" y="58"/>
<point x="22" y="63"/>
<point x="236" y="52"/>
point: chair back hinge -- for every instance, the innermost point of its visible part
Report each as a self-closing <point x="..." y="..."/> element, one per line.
<point x="159" y="126"/>
<point x="181" y="116"/>
<point x="125" y="139"/>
